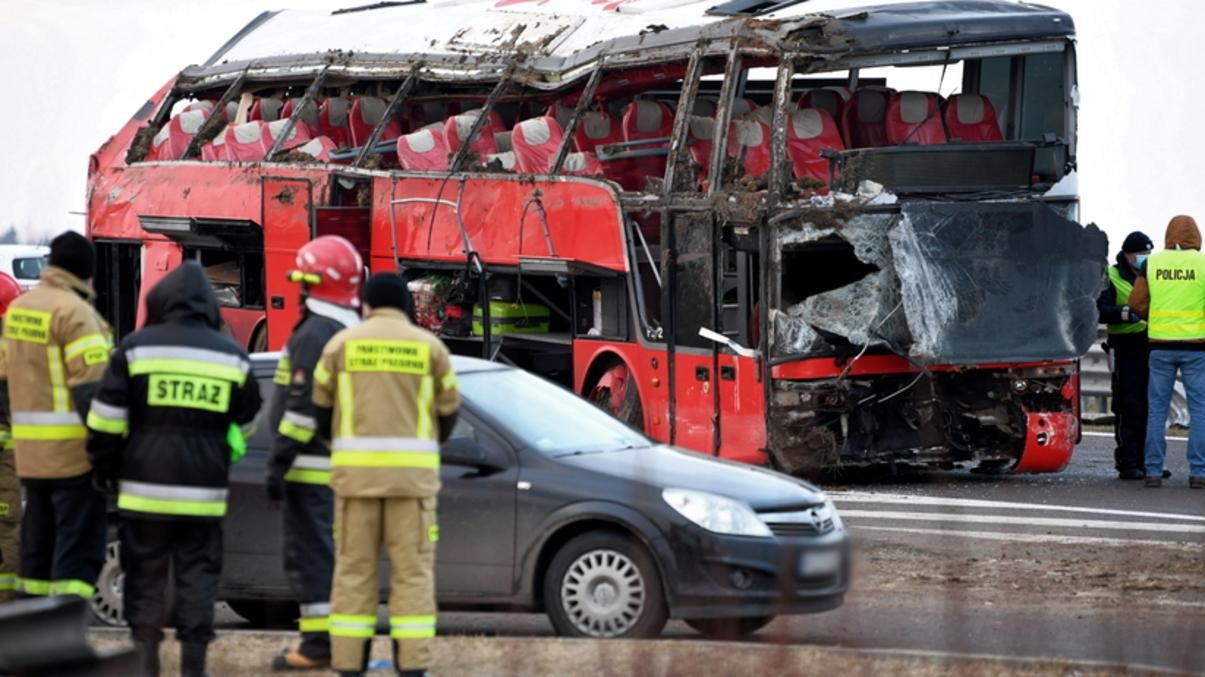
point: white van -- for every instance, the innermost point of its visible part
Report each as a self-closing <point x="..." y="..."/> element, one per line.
<point x="24" y="262"/>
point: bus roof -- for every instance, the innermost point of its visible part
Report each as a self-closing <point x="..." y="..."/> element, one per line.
<point x="560" y="40"/>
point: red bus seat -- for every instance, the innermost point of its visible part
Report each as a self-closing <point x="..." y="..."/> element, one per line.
<point x="749" y="139"/>
<point x="204" y="104"/>
<point x="596" y="128"/>
<point x="700" y="137"/>
<point x="266" y="109"/>
<point x="457" y="128"/>
<point x="763" y="114"/>
<point x="647" y="120"/>
<point x="561" y="112"/>
<point x="308" y="116"/>
<point x="366" y="113"/>
<point x="173" y="139"/>
<point x="333" y="115"/>
<point x="535" y="142"/>
<point x="829" y="99"/>
<point x="319" y="148"/>
<point x="300" y="134"/>
<point x="704" y="107"/>
<point x="502" y="141"/>
<point x="972" y="118"/>
<point x="245" y="142"/>
<point x="215" y="151"/>
<point x="914" y="118"/>
<point x="862" y="118"/>
<point x="425" y="150"/>
<point x="811" y="131"/>
<point x="582" y="164"/>
<point x="505" y="158"/>
<point x="742" y="106"/>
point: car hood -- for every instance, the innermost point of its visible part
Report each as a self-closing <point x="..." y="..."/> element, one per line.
<point x="661" y="467"/>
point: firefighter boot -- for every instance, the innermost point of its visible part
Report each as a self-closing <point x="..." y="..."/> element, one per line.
<point x="192" y="659"/>
<point x="292" y="659"/>
<point x="148" y="653"/>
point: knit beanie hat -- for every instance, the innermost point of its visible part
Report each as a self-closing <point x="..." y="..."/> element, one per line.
<point x="1136" y="242"/>
<point x="388" y="290"/>
<point x="73" y="253"/>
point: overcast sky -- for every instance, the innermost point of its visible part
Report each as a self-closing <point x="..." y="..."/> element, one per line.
<point x="76" y="70"/>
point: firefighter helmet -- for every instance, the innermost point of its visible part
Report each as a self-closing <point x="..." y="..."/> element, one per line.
<point x="331" y="270"/>
<point x="9" y="291"/>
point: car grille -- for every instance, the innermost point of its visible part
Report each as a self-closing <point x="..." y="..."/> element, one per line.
<point x="801" y="528"/>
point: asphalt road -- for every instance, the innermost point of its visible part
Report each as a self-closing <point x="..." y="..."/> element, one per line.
<point x="1078" y="565"/>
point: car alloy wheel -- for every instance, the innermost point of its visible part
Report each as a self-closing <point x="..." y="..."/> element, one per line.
<point x="605" y="584"/>
<point x="106" y="601"/>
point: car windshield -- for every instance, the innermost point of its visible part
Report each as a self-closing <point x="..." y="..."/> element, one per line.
<point x="544" y="416"/>
<point x="28" y="268"/>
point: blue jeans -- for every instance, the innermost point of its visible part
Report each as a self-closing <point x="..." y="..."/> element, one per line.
<point x="1163" y="365"/>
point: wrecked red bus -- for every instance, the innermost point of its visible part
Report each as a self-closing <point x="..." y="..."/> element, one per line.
<point x="804" y="234"/>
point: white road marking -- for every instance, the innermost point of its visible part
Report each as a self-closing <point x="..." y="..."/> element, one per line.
<point x="1093" y="433"/>
<point x="1034" y="538"/>
<point x="909" y="499"/>
<point x="1025" y="521"/>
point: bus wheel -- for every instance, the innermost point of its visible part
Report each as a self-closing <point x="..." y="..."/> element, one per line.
<point x="259" y="340"/>
<point x="615" y="393"/>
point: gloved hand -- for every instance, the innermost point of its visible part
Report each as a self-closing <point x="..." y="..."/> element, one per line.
<point x="275" y="486"/>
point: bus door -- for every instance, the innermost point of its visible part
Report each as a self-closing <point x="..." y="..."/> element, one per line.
<point x="287" y="219"/>
<point x="691" y="303"/>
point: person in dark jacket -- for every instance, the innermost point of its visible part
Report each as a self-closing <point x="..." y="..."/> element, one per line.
<point x="329" y="270"/>
<point x="173" y="411"/>
<point x="1127" y="347"/>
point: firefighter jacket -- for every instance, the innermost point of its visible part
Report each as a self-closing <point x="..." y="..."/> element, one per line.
<point x="297" y="454"/>
<point x="174" y="401"/>
<point x="388" y="382"/>
<point x="56" y="347"/>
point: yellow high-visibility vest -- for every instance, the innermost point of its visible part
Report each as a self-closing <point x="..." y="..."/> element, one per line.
<point x="1176" y="279"/>
<point x="1122" y="287"/>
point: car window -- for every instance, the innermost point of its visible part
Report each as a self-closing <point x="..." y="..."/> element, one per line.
<point x="28" y="268"/>
<point x="543" y="416"/>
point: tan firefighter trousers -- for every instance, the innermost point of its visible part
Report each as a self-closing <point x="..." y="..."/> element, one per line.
<point x="10" y="525"/>
<point x="408" y="530"/>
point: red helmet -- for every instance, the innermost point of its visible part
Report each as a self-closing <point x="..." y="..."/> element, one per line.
<point x="9" y="291"/>
<point x="331" y="270"/>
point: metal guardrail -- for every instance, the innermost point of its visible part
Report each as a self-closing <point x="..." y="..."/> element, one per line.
<point x="1096" y="387"/>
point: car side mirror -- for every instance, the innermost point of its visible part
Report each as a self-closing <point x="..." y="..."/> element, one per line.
<point x="466" y="451"/>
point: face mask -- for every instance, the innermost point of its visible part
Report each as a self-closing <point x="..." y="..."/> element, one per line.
<point x="1139" y="260"/>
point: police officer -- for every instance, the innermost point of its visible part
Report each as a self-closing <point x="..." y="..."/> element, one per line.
<point x="56" y="347"/>
<point x="329" y="270"/>
<point x="10" y="486"/>
<point x="1128" y="348"/>
<point x="1170" y="293"/>
<point x="172" y="413"/>
<point x="394" y="398"/>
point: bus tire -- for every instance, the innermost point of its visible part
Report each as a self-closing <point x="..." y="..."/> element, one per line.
<point x="615" y="393"/>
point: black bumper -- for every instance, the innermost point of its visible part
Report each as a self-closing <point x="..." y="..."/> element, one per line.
<point x="708" y="575"/>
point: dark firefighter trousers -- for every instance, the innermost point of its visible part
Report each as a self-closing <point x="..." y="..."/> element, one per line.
<point x="1130" y="378"/>
<point x="62" y="537"/>
<point x="309" y="560"/>
<point x="191" y="553"/>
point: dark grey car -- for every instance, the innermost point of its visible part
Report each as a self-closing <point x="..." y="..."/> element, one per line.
<point x="549" y="504"/>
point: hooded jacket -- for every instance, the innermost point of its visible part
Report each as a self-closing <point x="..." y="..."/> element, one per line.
<point x="55" y="349"/>
<point x="163" y="415"/>
<point x="1182" y="233"/>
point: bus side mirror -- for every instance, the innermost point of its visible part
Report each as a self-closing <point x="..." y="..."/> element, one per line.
<point x="732" y="345"/>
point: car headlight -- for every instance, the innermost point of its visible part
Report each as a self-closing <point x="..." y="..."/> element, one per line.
<point x="716" y="513"/>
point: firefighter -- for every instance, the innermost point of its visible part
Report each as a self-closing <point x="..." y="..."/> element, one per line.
<point x="394" y="398"/>
<point x="1127" y="346"/>
<point x="10" y="486"/>
<point x="56" y="347"/>
<point x="1170" y="294"/>
<point x="173" y="412"/>
<point x="329" y="270"/>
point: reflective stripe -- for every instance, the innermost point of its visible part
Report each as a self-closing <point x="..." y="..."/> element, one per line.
<point x="72" y="587"/>
<point x="449" y="381"/>
<point x="297" y="427"/>
<point x="302" y="476"/>
<point x="346" y="405"/>
<point x="426" y="395"/>
<point x="8" y="582"/>
<point x="171" y="499"/>
<point x="387" y="459"/>
<point x="312" y="462"/>
<point x="190" y="361"/>
<point x="33" y="586"/>
<point x="343" y="625"/>
<point x="77" y="347"/>
<point x="385" y="444"/>
<point x="411" y="627"/>
<point x="47" y="425"/>
<point x="281" y="376"/>
<point x="316" y="609"/>
<point x="316" y="624"/>
<point x="322" y="374"/>
<point x="58" y="388"/>
<point x="107" y="418"/>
